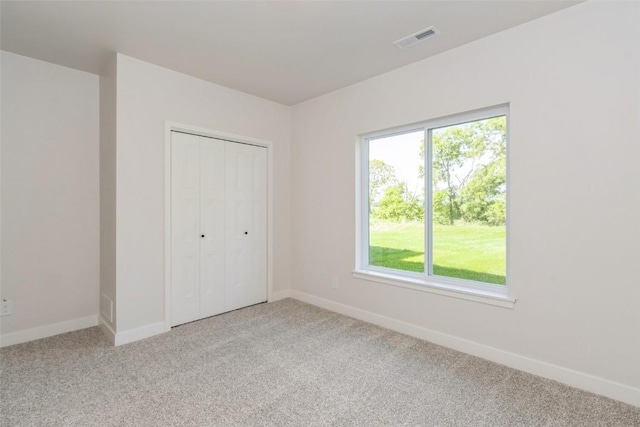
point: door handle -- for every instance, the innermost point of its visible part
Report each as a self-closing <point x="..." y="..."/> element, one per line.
<point x="202" y="235"/>
<point x="246" y="232"/>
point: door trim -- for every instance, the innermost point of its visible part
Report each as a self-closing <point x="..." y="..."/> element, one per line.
<point x="198" y="131"/>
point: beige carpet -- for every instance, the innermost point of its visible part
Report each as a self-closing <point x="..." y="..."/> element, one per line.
<point x="285" y="364"/>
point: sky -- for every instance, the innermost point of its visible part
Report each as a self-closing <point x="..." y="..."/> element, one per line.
<point x="403" y="153"/>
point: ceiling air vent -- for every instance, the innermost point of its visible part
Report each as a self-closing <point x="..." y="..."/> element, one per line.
<point x="414" y="38"/>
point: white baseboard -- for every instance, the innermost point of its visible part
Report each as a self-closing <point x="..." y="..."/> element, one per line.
<point x="581" y="380"/>
<point x="47" y="330"/>
<point x="141" y="333"/>
<point x="276" y="296"/>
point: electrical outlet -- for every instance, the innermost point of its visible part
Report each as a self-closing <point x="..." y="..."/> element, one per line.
<point x="334" y="283"/>
<point x="6" y="308"/>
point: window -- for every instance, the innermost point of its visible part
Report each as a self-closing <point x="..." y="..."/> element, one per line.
<point x="433" y="205"/>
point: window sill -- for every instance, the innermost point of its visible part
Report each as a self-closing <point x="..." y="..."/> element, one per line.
<point x="485" y="297"/>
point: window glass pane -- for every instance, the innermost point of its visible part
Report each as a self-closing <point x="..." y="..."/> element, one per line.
<point x="396" y="202"/>
<point x="469" y="200"/>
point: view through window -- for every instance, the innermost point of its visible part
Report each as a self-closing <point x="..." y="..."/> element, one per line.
<point x="437" y="200"/>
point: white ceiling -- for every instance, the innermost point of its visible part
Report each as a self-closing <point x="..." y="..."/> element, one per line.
<point x="285" y="51"/>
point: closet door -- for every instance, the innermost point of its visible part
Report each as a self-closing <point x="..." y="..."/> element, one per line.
<point x="212" y="226"/>
<point x="246" y="225"/>
<point x="218" y="226"/>
<point x="185" y="228"/>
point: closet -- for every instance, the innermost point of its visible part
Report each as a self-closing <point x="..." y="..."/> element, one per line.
<point x="218" y="226"/>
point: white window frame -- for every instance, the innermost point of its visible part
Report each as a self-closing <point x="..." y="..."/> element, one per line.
<point x="499" y="295"/>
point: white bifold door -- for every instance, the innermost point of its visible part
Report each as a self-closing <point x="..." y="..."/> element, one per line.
<point x="218" y="226"/>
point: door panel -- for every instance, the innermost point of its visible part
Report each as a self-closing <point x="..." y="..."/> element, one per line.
<point x="246" y="219"/>
<point x="212" y="218"/>
<point x="185" y="245"/>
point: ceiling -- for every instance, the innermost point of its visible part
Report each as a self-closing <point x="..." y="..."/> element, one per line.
<point x="285" y="51"/>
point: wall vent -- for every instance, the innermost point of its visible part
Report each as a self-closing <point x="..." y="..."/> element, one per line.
<point x="106" y="308"/>
<point x="414" y="38"/>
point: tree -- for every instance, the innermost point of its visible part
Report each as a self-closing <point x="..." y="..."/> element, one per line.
<point x="441" y="209"/>
<point x="469" y="172"/>
<point x="381" y="177"/>
<point x="452" y="148"/>
<point x="484" y="196"/>
<point x="399" y="205"/>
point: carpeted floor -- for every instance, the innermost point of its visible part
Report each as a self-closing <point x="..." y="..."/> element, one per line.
<point x="285" y="363"/>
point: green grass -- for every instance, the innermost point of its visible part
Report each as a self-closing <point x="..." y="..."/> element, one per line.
<point x="472" y="252"/>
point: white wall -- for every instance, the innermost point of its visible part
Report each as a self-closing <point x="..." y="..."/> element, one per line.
<point x="50" y="251"/>
<point x="108" y="129"/>
<point x="147" y="96"/>
<point x="572" y="82"/>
